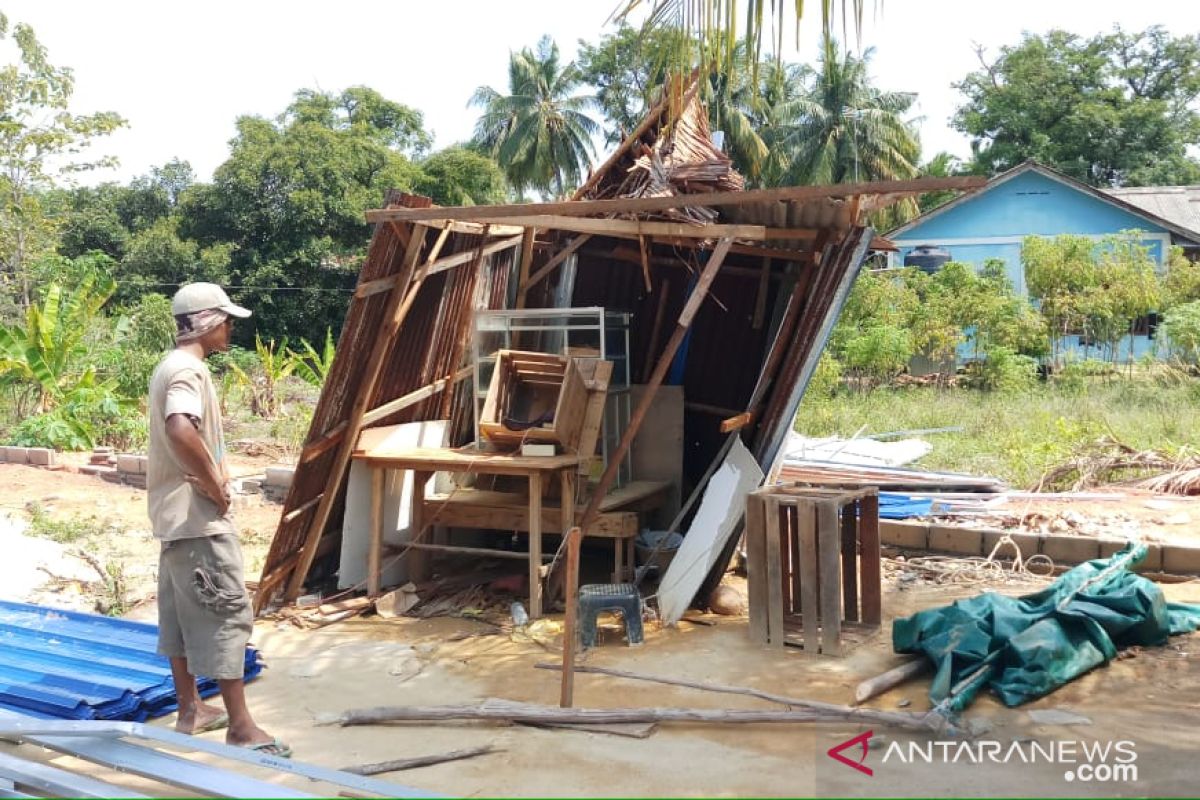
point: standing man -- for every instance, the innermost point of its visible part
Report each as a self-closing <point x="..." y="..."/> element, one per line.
<point x="204" y="614"/>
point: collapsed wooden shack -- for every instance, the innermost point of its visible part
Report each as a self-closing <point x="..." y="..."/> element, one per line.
<point x="727" y="295"/>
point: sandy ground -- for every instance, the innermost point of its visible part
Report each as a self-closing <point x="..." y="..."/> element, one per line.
<point x="1150" y="698"/>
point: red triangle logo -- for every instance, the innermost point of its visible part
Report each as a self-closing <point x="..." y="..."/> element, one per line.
<point x="863" y="739"/>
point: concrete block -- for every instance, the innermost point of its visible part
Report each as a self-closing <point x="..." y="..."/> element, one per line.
<point x="40" y="456"/>
<point x="950" y="539"/>
<point x="1028" y="543"/>
<point x="1153" y="562"/>
<point x="907" y="535"/>
<point x="132" y="463"/>
<point x="16" y="455"/>
<point x="1181" y="560"/>
<point x="1110" y="545"/>
<point x="250" y="486"/>
<point x="112" y="476"/>
<point x="102" y="450"/>
<point x="1070" y="549"/>
<point x="99" y="470"/>
<point x="280" y="476"/>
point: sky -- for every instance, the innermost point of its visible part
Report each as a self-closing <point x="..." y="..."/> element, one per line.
<point x="182" y="73"/>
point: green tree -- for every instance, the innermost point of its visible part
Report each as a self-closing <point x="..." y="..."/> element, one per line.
<point x="459" y="176"/>
<point x="287" y="207"/>
<point x="628" y="69"/>
<point x="39" y="138"/>
<point x="846" y="130"/>
<point x="539" y="132"/>
<point x="1110" y="110"/>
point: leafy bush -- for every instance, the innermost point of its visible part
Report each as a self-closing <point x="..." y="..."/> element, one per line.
<point x="1182" y="327"/>
<point x="879" y="352"/>
<point x="1002" y="369"/>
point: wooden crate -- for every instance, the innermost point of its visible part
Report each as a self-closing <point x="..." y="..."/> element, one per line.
<point x="813" y="566"/>
<point x="527" y="385"/>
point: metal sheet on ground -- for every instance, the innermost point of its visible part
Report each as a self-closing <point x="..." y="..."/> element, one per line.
<point x="57" y="782"/>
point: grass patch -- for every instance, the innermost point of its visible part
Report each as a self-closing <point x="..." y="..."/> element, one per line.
<point x="68" y="531"/>
<point x="1017" y="436"/>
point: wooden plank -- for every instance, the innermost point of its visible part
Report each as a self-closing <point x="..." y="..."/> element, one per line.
<point x="558" y="258"/>
<point x="438" y="459"/>
<point x="535" y="544"/>
<point x="393" y="316"/>
<point x="298" y="510"/>
<point x="809" y="604"/>
<point x="756" y="566"/>
<point x="625" y="205"/>
<point x="645" y="263"/>
<point x="327" y="440"/>
<point x="375" y="549"/>
<point x="571" y="407"/>
<point x="567" y="689"/>
<point x="869" y="567"/>
<point x="593" y="414"/>
<point x="760" y="299"/>
<point x="368" y="288"/>
<point x="631" y="255"/>
<point x="481" y="552"/>
<point x="418" y="560"/>
<point x="737" y="422"/>
<point x="452" y="513"/>
<point x="635" y="422"/>
<point x="790" y="528"/>
<point x="850" y="562"/>
<point x="526" y="259"/>
<point x="829" y="559"/>
<point x="774" y="564"/>
<point x="414" y="397"/>
<point x="635" y="227"/>
<point x="656" y="329"/>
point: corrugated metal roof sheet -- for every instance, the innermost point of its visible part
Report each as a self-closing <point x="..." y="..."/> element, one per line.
<point x="1178" y="204"/>
<point x="62" y="664"/>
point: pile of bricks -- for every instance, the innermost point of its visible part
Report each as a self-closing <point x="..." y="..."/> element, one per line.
<point x="277" y="483"/>
<point x="125" y="468"/>
<point x="33" y="456"/>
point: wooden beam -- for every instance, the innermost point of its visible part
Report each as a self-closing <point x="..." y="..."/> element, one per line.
<point x="319" y="446"/>
<point x="634" y="227"/>
<point x="526" y="260"/>
<point x="368" y="288"/>
<point x="558" y="258"/>
<point x="567" y="690"/>
<point x="629" y="254"/>
<point x="414" y="397"/>
<point x="694" y="301"/>
<point x="393" y="317"/>
<point x="760" y="299"/>
<point x="645" y="254"/>
<point x="626" y="205"/>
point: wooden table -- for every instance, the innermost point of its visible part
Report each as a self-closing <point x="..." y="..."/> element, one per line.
<point x="423" y="462"/>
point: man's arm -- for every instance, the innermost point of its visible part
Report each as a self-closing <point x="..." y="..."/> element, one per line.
<point x="190" y="450"/>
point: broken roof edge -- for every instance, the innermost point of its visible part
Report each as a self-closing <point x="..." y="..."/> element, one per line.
<point x="583" y="208"/>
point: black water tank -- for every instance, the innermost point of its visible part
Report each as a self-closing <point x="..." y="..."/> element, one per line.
<point x="927" y="258"/>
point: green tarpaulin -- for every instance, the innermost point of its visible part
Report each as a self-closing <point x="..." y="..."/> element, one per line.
<point x="1025" y="647"/>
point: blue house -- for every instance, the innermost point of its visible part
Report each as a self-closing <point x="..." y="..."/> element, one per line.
<point x="1034" y="200"/>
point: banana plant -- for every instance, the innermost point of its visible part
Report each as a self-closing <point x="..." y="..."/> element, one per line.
<point x="44" y="354"/>
<point x="276" y="364"/>
<point x="312" y="367"/>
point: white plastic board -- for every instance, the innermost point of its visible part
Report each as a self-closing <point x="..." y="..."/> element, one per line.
<point x="397" y="511"/>
<point x="721" y="508"/>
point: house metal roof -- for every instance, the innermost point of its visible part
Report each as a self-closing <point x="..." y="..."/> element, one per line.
<point x="1159" y="205"/>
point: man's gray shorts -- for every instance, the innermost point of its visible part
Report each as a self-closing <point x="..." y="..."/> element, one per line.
<point x="203" y="609"/>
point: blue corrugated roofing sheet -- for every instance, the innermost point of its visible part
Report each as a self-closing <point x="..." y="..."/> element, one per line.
<point x="62" y="664"/>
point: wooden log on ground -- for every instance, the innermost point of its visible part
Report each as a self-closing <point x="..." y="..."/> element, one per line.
<point x="912" y="721"/>
<point x="399" y="764"/>
<point x="873" y="687"/>
<point x="529" y="713"/>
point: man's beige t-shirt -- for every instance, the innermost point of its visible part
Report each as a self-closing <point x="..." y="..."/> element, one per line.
<point x="182" y="385"/>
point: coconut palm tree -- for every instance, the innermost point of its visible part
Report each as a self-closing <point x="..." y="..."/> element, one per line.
<point x="844" y="129"/>
<point x="539" y="132"/>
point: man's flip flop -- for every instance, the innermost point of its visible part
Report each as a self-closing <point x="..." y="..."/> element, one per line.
<point x="217" y="724"/>
<point x="275" y="747"/>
